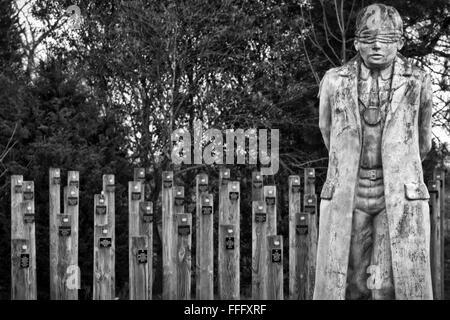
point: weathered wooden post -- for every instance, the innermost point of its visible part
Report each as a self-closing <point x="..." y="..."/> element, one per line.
<point x="230" y="263"/>
<point x="201" y="188"/>
<point x="274" y="260"/>
<point x="184" y="227"/>
<point x="102" y="263"/>
<point x="146" y="223"/>
<point x="259" y="229"/>
<point x="65" y="199"/>
<point x="257" y="186"/>
<point x="270" y="198"/>
<point x="439" y="175"/>
<point x="146" y="230"/>
<point x="64" y="270"/>
<point x="303" y="239"/>
<point x="298" y="250"/>
<point x="140" y="268"/>
<point x="108" y="188"/>
<point x="103" y="255"/>
<point x="23" y="245"/>
<point x="134" y="196"/>
<point x="178" y="208"/>
<point x="224" y="178"/>
<point x="141" y="242"/>
<point x="72" y="271"/>
<point x="206" y="252"/>
<point x="436" y="247"/>
<point x="54" y="212"/>
<point x="169" y="232"/>
<point x="28" y="215"/>
<point x="310" y="208"/>
<point x="21" y="278"/>
<point x="259" y="250"/>
<point x="139" y="175"/>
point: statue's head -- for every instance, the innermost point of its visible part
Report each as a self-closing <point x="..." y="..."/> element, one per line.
<point x="378" y="38"/>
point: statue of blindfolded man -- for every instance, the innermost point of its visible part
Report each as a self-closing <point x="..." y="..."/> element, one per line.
<point x="375" y="119"/>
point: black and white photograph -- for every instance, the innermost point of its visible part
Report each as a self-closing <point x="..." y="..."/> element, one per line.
<point x="224" y="158"/>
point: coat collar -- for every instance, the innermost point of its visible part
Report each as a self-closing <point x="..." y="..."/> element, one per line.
<point x="385" y="74"/>
<point x="402" y="68"/>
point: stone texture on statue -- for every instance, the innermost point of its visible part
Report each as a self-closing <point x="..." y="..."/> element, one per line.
<point x="375" y="119"/>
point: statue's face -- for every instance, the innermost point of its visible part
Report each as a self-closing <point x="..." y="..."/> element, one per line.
<point x="378" y="54"/>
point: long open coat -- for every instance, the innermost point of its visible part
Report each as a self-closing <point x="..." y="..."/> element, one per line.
<point x="405" y="142"/>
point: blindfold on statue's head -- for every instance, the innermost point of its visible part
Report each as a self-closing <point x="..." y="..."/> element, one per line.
<point x="388" y="36"/>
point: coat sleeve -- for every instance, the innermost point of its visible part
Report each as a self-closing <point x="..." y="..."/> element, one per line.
<point x="325" y="109"/>
<point x="425" y="112"/>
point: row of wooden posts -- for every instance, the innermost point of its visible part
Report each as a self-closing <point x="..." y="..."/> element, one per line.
<point x="177" y="229"/>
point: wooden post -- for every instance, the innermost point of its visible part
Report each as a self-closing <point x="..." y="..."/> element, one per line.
<point x="72" y="281"/>
<point x="259" y="250"/>
<point x="72" y="274"/>
<point x="109" y="192"/>
<point x="17" y="224"/>
<point x="259" y="229"/>
<point x="21" y="277"/>
<point x="67" y="286"/>
<point x="297" y="242"/>
<point x="310" y="207"/>
<point x="28" y="216"/>
<point x="103" y="255"/>
<point x="141" y="242"/>
<point x="275" y="268"/>
<point x="54" y="211"/>
<point x="184" y="228"/>
<point x="201" y="188"/>
<point x="178" y="208"/>
<point x="169" y="276"/>
<point x="224" y="178"/>
<point x="102" y="263"/>
<point x="64" y="270"/>
<point x="310" y="179"/>
<point x="439" y="174"/>
<point x="65" y="199"/>
<point x="146" y="230"/>
<point x="257" y="186"/>
<point x="139" y="175"/>
<point x="134" y="197"/>
<point x="139" y="268"/>
<point x="436" y="247"/>
<point x="270" y="198"/>
<point x="23" y="245"/>
<point x="206" y="253"/>
<point x="230" y="263"/>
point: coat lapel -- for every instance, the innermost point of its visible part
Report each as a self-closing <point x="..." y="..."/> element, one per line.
<point x="400" y="77"/>
<point x="350" y="73"/>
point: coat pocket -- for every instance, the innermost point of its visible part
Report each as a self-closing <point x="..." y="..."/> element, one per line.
<point x="327" y="191"/>
<point x="416" y="191"/>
